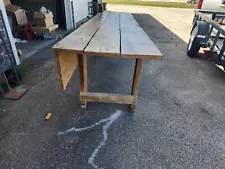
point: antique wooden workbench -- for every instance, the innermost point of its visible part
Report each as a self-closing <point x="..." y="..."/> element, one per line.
<point x="108" y="34"/>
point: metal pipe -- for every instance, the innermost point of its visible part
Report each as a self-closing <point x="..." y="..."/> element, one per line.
<point x="222" y="51"/>
<point x="211" y="22"/>
<point x="215" y="41"/>
<point x="6" y="80"/>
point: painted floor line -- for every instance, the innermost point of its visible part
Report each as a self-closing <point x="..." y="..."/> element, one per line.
<point x="105" y="128"/>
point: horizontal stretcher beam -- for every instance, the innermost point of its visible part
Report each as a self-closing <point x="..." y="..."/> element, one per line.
<point x="107" y="98"/>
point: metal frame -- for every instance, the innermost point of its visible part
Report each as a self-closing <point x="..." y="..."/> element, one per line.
<point x="8" y="50"/>
<point x="91" y="9"/>
<point x="201" y="16"/>
<point x="212" y="17"/>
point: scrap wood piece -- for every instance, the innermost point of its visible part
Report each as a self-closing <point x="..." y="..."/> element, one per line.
<point x="17" y="92"/>
<point x="48" y="116"/>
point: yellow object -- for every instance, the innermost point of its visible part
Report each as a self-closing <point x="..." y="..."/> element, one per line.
<point x="48" y="116"/>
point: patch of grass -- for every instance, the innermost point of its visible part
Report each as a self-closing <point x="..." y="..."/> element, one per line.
<point x="153" y="3"/>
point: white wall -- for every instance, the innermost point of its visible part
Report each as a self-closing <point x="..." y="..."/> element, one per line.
<point x="212" y="5"/>
<point x="11" y="39"/>
<point x="81" y="9"/>
<point x="69" y="21"/>
<point x="80" y="12"/>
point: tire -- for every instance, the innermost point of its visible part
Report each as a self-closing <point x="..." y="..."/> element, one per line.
<point x="193" y="46"/>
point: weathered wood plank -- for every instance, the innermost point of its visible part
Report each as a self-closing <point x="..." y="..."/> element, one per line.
<point x="135" y="43"/>
<point x="107" y="98"/>
<point x="67" y="63"/>
<point x="79" y="39"/>
<point x="106" y="41"/>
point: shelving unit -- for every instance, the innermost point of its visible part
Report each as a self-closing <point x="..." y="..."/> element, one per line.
<point x="8" y="71"/>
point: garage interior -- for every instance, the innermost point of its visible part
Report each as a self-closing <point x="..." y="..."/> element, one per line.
<point x="31" y="6"/>
<point x="38" y="42"/>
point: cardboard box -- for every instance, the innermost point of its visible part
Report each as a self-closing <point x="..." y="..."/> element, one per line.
<point x="7" y="2"/>
<point x="21" y="17"/>
<point x="43" y="15"/>
<point x="17" y="14"/>
<point x="44" y="22"/>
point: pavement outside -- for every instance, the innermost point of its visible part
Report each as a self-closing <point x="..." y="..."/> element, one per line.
<point x="179" y="121"/>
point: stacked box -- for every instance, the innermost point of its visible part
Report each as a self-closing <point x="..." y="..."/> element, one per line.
<point x="18" y="15"/>
<point x="43" y="19"/>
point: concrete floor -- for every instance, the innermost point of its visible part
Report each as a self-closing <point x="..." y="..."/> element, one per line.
<point x="33" y="46"/>
<point x="178" y="124"/>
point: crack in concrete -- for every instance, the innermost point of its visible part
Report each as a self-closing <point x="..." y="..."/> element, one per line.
<point x="109" y="121"/>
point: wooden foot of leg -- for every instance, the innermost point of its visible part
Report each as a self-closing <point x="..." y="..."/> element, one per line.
<point x="136" y="80"/>
<point x="132" y="107"/>
<point x="83" y="105"/>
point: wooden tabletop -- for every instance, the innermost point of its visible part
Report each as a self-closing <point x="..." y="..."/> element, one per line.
<point x="110" y="34"/>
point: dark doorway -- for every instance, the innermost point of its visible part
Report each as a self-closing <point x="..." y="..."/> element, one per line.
<point x="60" y="14"/>
<point x="56" y="6"/>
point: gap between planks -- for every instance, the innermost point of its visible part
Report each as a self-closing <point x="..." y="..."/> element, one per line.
<point x="106" y="41"/>
<point x="78" y="39"/>
<point x="107" y="14"/>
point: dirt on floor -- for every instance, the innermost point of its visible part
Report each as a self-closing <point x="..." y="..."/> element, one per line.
<point x="178" y="123"/>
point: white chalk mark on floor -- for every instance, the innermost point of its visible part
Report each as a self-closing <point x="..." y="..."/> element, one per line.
<point x="109" y="121"/>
